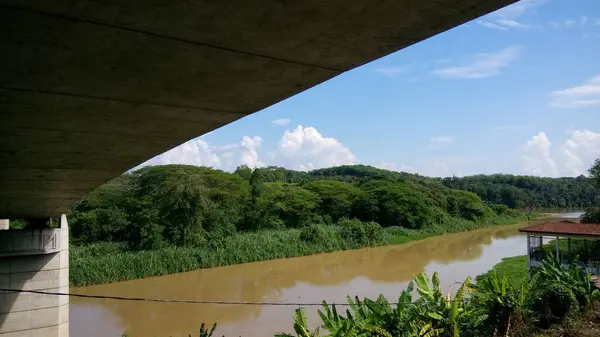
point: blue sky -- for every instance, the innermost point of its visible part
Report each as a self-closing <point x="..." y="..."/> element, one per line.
<point x="517" y="91"/>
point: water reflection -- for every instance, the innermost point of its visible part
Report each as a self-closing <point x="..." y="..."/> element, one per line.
<point x="365" y="272"/>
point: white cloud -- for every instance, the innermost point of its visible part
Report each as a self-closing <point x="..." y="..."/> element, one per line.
<point x="508" y="17"/>
<point x="518" y="9"/>
<point x="395" y="167"/>
<point x="504" y="24"/>
<point x="490" y="24"/>
<point x="442" y="139"/>
<point x="281" y="121"/>
<point x="198" y="152"/>
<point x="574" y="157"/>
<point x="584" y="95"/>
<point x="305" y="148"/>
<point x="391" y="71"/>
<point x="440" y="168"/>
<point x="512" y="23"/>
<point x="482" y="65"/>
<point x="193" y="152"/>
<point x="537" y="156"/>
<point x="249" y="151"/>
<point x="580" y="150"/>
<point x="570" y="23"/>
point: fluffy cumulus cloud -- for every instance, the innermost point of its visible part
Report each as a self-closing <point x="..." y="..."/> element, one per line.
<point x="572" y="158"/>
<point x="537" y="157"/>
<point x="249" y="151"/>
<point x="193" y="152"/>
<point x="481" y="65"/>
<point x="584" y="95"/>
<point x="580" y="150"/>
<point x="302" y="148"/>
<point x="198" y="152"/>
<point x="305" y="148"/>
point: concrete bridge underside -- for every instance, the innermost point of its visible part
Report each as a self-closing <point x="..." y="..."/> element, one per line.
<point x="91" y="88"/>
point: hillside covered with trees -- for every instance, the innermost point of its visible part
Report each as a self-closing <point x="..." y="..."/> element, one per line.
<point x="527" y="191"/>
<point x="181" y="205"/>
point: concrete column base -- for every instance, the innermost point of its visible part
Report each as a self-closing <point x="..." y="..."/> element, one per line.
<point x="34" y="260"/>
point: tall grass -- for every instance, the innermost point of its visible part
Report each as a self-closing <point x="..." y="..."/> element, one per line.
<point x="401" y="235"/>
<point x="111" y="262"/>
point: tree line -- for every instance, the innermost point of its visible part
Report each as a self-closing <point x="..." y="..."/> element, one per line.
<point x="186" y="205"/>
<point x="526" y="191"/>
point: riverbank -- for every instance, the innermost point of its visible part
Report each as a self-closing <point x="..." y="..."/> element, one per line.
<point x="513" y="268"/>
<point x="111" y="262"/>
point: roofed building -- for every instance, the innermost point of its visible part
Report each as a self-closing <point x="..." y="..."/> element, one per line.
<point x="567" y="241"/>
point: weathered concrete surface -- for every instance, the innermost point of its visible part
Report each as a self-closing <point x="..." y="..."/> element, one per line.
<point x="91" y="88"/>
<point x="25" y="266"/>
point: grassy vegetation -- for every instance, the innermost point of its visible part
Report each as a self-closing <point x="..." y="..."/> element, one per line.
<point x="513" y="268"/>
<point x="111" y="262"/>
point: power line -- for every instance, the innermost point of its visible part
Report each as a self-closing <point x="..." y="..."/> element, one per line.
<point x="141" y="299"/>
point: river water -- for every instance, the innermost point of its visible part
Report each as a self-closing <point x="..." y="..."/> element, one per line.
<point x="311" y="279"/>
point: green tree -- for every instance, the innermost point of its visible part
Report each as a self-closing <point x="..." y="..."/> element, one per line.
<point x="336" y="198"/>
<point x="244" y="171"/>
<point x="395" y="204"/>
<point x="289" y="203"/>
<point x="595" y="172"/>
<point x="182" y="203"/>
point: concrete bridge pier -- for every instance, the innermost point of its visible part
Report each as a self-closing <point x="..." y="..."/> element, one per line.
<point x="34" y="259"/>
<point x="4" y="223"/>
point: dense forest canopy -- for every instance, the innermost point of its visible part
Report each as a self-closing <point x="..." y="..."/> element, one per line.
<point x="526" y="191"/>
<point x="188" y="205"/>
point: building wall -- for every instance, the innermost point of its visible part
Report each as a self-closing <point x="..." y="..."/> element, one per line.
<point x="34" y="260"/>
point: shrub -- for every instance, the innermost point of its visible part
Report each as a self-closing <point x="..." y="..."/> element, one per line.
<point x="313" y="234"/>
<point x="551" y="304"/>
<point x="360" y="233"/>
<point x="499" y="209"/>
<point x="591" y="216"/>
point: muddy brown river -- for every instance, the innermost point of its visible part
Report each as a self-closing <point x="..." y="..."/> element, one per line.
<point x="365" y="272"/>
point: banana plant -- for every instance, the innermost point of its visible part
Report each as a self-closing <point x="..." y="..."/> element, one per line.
<point x="574" y="278"/>
<point x="503" y="303"/>
<point x="300" y="326"/>
<point x="438" y="315"/>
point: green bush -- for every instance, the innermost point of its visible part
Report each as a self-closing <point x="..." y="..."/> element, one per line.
<point x="591" y="216"/>
<point x="499" y="209"/>
<point x="313" y="234"/>
<point x="551" y="304"/>
<point x="360" y="233"/>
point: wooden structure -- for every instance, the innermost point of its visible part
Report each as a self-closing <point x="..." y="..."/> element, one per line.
<point x="566" y="241"/>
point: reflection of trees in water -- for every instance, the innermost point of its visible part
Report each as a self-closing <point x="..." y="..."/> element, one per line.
<point x="266" y="281"/>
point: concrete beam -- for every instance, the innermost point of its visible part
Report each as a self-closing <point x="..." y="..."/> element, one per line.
<point x="93" y="88"/>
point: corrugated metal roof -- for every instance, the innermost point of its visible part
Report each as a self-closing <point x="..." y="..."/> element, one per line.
<point x="564" y="227"/>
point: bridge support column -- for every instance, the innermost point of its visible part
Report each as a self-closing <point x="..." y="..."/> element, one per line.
<point x="4" y="223"/>
<point x="34" y="259"/>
